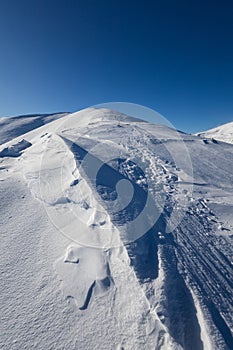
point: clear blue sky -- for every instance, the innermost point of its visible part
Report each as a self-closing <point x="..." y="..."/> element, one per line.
<point x="170" y="55"/>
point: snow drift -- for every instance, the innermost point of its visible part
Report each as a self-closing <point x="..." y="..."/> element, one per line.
<point x="115" y="234"/>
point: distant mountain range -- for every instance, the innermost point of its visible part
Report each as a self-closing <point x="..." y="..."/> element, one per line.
<point x="222" y="133"/>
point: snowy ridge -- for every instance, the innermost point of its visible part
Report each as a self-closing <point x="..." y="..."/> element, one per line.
<point x="222" y="133"/>
<point x="168" y="288"/>
<point x="11" y="127"/>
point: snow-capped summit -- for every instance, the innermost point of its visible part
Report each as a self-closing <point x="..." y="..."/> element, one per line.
<point x="222" y="133"/>
<point x="115" y="234"/>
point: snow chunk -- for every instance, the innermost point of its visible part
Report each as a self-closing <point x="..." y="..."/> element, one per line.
<point x="71" y="255"/>
<point x="15" y="150"/>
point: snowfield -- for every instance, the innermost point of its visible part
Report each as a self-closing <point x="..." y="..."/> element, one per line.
<point x="115" y="234"/>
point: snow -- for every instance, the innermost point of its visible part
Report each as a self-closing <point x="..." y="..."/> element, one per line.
<point x="115" y="234"/>
<point x="222" y="133"/>
<point x="207" y="344"/>
<point x="15" y="150"/>
<point x="11" y="127"/>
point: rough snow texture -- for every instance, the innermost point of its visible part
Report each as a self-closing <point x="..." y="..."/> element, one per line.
<point x="74" y="274"/>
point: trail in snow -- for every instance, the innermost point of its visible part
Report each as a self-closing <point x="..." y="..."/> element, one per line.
<point x="170" y="287"/>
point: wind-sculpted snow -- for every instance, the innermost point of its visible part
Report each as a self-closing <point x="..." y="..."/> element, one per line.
<point x="139" y="255"/>
<point x="121" y="188"/>
<point x="90" y="267"/>
<point x="15" y="150"/>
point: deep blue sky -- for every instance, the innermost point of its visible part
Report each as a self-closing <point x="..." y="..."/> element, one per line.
<point x="173" y="56"/>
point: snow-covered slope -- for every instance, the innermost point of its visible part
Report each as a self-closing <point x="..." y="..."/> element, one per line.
<point x="115" y="234"/>
<point x="11" y="127"/>
<point x="222" y="133"/>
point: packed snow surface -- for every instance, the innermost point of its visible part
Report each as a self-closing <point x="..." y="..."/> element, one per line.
<point x="115" y="234"/>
